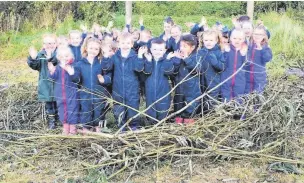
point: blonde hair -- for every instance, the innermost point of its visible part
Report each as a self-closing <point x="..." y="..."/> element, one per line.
<point x="125" y="36"/>
<point x="50" y="35"/>
<point x="210" y="32"/>
<point x="74" y="32"/>
<point x="86" y="42"/>
<point x="61" y="50"/>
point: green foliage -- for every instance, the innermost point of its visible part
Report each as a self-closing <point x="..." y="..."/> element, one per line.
<point x="96" y="11"/>
<point x="186" y="8"/>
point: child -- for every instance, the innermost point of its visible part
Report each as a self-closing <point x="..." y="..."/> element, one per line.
<point x="39" y="61"/>
<point x="75" y="37"/>
<point x="212" y="67"/>
<point x="247" y="28"/>
<point x="188" y="88"/>
<point x="145" y="39"/>
<point x="174" y="42"/>
<point x="62" y="41"/>
<point x="157" y="68"/>
<point x="199" y="27"/>
<point x="235" y="56"/>
<point x="168" y="23"/>
<point x="125" y="64"/>
<point x="93" y="87"/>
<point x="65" y="90"/>
<point x="259" y="54"/>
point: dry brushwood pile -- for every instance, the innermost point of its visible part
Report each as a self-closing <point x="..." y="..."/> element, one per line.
<point x="272" y="131"/>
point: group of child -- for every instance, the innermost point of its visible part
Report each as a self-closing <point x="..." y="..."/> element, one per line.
<point x="78" y="74"/>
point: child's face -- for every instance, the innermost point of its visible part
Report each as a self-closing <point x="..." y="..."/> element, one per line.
<point x="186" y="49"/>
<point x="247" y="28"/>
<point x="75" y="39"/>
<point x="176" y="33"/>
<point x="63" y="42"/>
<point x="258" y="35"/>
<point x="135" y="35"/>
<point x="224" y="40"/>
<point x="49" y="44"/>
<point x="167" y="27"/>
<point x="66" y="57"/>
<point x="126" y="44"/>
<point x="93" y="49"/>
<point x="145" y="37"/>
<point x="158" y="50"/>
<point x="209" y="41"/>
<point x="237" y="39"/>
<point x="107" y="50"/>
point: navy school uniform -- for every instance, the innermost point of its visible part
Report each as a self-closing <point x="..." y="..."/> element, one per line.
<point x="157" y="85"/>
<point x="45" y="86"/>
<point x="173" y="45"/>
<point x="189" y="89"/>
<point x="92" y="94"/>
<point x="195" y="29"/>
<point x="76" y="52"/>
<point x="212" y="68"/>
<point x="235" y="86"/>
<point x="125" y="86"/>
<point x="66" y="96"/>
<point x="256" y="77"/>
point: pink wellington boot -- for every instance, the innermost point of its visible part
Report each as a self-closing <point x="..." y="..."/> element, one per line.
<point x="73" y="130"/>
<point x="189" y="121"/>
<point x="179" y="120"/>
<point x="66" y="129"/>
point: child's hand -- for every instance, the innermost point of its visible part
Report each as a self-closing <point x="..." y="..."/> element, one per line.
<point x="203" y="22"/>
<point x="51" y="68"/>
<point x="33" y="52"/>
<point x="178" y="54"/>
<point x="110" y="24"/>
<point x="148" y="56"/>
<point x="227" y="47"/>
<point x="84" y="28"/>
<point x="260" y="22"/>
<point x="189" y="24"/>
<point x="166" y="37"/>
<point x="100" y="78"/>
<point x="258" y="45"/>
<point x="141" y="21"/>
<point x="244" y="49"/>
<point x="69" y="69"/>
<point x="170" y="55"/>
<point x="141" y="51"/>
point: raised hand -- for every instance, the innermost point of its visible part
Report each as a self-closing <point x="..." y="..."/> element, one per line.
<point x="203" y="21"/>
<point x="178" y="54"/>
<point x="244" y="49"/>
<point x="51" y="68"/>
<point x="226" y="47"/>
<point x="141" y="21"/>
<point x="141" y="51"/>
<point x="260" y="22"/>
<point x="148" y="56"/>
<point x="33" y="52"/>
<point x="83" y="27"/>
<point x="100" y="78"/>
<point x="170" y="55"/>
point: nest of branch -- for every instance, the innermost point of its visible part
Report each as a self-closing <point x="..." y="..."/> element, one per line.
<point x="272" y="131"/>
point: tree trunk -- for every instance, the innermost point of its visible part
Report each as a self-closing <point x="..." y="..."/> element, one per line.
<point x="128" y="10"/>
<point x="250" y="9"/>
